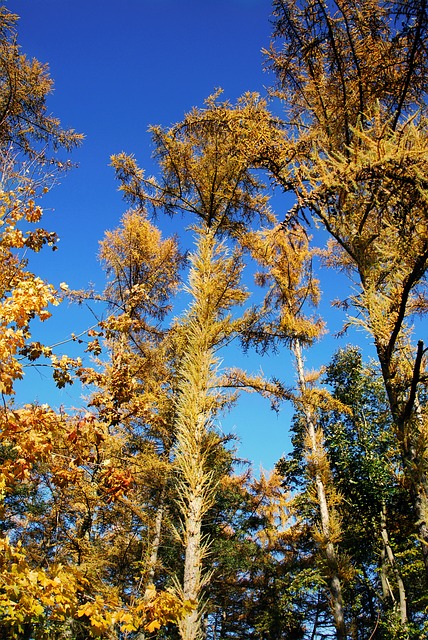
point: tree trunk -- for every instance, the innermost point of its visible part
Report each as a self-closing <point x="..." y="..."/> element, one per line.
<point x="391" y="559"/>
<point x="151" y="569"/>
<point x="329" y="550"/>
<point x="409" y="425"/>
<point x="194" y="500"/>
<point x="195" y="407"/>
<point x="190" y="627"/>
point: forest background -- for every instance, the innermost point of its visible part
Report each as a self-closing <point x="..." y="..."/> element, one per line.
<point x="127" y="510"/>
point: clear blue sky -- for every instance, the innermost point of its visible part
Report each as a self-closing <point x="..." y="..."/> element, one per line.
<point x="118" y="67"/>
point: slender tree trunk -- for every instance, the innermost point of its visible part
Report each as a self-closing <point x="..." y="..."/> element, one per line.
<point x="329" y="549"/>
<point x="190" y="627"/>
<point x="421" y="503"/>
<point x="391" y="559"/>
<point x="149" y="577"/>
<point x="153" y="559"/>
<point x="421" y="500"/>
<point x="386" y="588"/>
<point x="408" y="421"/>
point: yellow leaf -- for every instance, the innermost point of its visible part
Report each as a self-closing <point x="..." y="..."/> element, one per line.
<point x="153" y="626"/>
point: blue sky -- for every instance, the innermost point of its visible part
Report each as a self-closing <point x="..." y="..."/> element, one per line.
<point x="119" y="67"/>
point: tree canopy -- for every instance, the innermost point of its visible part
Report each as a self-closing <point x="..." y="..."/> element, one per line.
<point x="133" y="517"/>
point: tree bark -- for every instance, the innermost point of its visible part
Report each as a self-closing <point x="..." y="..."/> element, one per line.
<point x="391" y="559"/>
<point x="408" y="421"/>
<point x="156" y="539"/>
<point x="195" y="407"/>
<point x="330" y="551"/>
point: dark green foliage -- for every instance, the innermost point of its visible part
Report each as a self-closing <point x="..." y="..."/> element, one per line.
<point x="366" y="468"/>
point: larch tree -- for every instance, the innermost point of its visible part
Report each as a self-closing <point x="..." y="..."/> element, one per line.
<point x="286" y="262"/>
<point x="59" y="475"/>
<point x="353" y="78"/>
<point x="214" y="285"/>
<point x="137" y="388"/>
<point x="205" y="173"/>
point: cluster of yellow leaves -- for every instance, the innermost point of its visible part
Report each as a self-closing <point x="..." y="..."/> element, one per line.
<point x="274" y="506"/>
<point x="143" y="269"/>
<point x="27" y="434"/>
<point x="29" y="298"/>
<point x="13" y="207"/>
<point x="286" y="260"/>
<point x="64" y="369"/>
<point x="36" y="435"/>
<point x="23" y="296"/>
<point x="163" y="608"/>
<point x="28" y="595"/>
<point x="47" y="598"/>
<point x="151" y="612"/>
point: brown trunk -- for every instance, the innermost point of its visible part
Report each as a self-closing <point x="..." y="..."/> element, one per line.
<point x="156" y="540"/>
<point x="407" y="419"/>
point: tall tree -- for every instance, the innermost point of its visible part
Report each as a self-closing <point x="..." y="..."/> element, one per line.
<point x="137" y="388"/>
<point x="287" y="269"/>
<point x="214" y="284"/>
<point x="353" y="76"/>
<point x="204" y="172"/>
